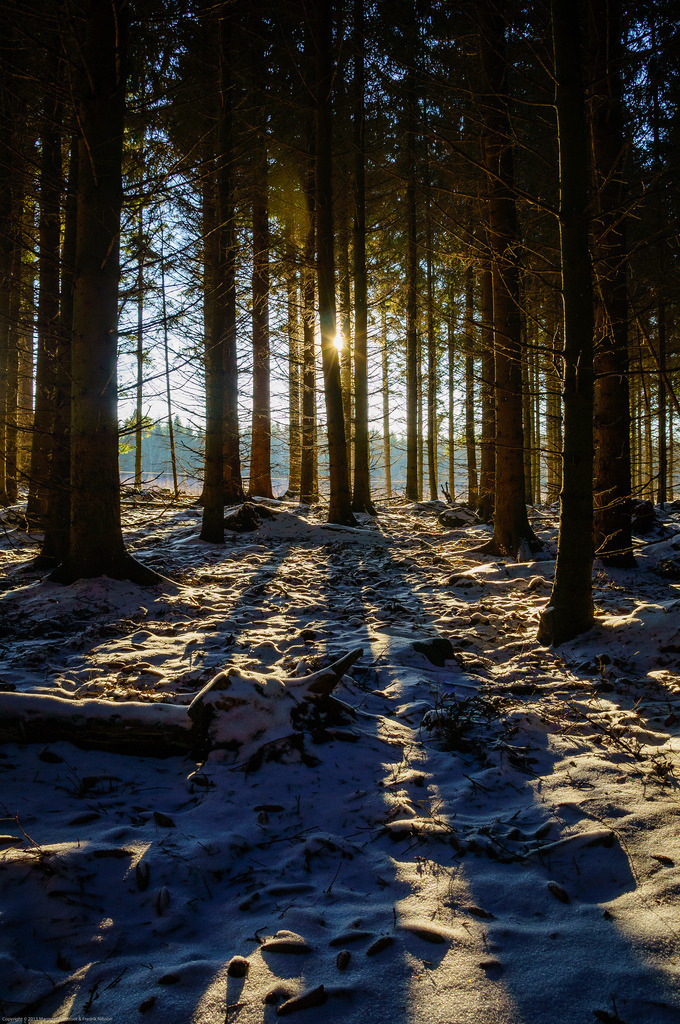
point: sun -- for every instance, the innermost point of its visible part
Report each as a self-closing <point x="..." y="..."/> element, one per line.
<point x="336" y="341"/>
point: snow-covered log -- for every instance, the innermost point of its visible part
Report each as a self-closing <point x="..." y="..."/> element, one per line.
<point x="243" y="712"/>
<point x="234" y="711"/>
<point x="131" y="727"/>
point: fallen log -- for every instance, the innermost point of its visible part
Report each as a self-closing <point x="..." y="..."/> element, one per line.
<point x="129" y="727"/>
<point x="242" y="712"/>
<point x="234" y="712"/>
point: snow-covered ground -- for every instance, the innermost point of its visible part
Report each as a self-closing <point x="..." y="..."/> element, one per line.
<point x="493" y="836"/>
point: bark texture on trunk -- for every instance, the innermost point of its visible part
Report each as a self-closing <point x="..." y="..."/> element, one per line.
<point x="570" y="610"/>
<point x="665" y="484"/>
<point x="260" y="454"/>
<point x="25" y="361"/>
<point x="309" y="481"/>
<point x="470" y="440"/>
<point x="139" y="411"/>
<point x="487" y="473"/>
<point x="613" y="538"/>
<point x="339" y="508"/>
<point x="222" y="478"/>
<point x="662" y="486"/>
<point x="537" y="437"/>
<point x="168" y="393"/>
<point x="553" y="416"/>
<point x="12" y="360"/>
<point x="226" y="294"/>
<point x="411" y="299"/>
<point x="345" y="318"/>
<point x="432" y="454"/>
<point x="451" y="352"/>
<point x="9" y="371"/>
<point x="96" y="541"/>
<point x="527" y="421"/>
<point x="294" y="367"/>
<point x="261" y="435"/>
<point x="386" y="407"/>
<point x="57" y="530"/>
<point x="362" y="480"/>
<point x="12" y="143"/>
<point x="7" y="156"/>
<point x="213" y="497"/>
<point x="420" y="440"/>
<point x="49" y="229"/>
<point x="512" y="533"/>
<point x="308" y="473"/>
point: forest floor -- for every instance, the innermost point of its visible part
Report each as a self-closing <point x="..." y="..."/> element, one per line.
<point x="494" y="838"/>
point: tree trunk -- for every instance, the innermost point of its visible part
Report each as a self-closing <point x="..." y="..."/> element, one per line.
<point x="345" y="301"/>
<point x="386" y="406"/>
<point x="661" y="253"/>
<point x="537" y="439"/>
<point x="25" y="356"/>
<point x="261" y="434"/>
<point x="487" y="472"/>
<point x="222" y="476"/>
<point x="554" y="433"/>
<point x="512" y="532"/>
<point x="7" y="155"/>
<point x="527" y="422"/>
<point x="470" y="441"/>
<point x="662" y="485"/>
<point x="141" y="254"/>
<point x="232" y="483"/>
<point x="570" y="610"/>
<point x="308" y="477"/>
<point x="431" y="360"/>
<point x="213" y="497"/>
<point x="671" y="454"/>
<point x="57" y="530"/>
<point x="613" y="539"/>
<point x="649" y="447"/>
<point x="411" y="296"/>
<point x="344" y="175"/>
<point x="51" y="189"/>
<point x="12" y="360"/>
<point x="168" y="393"/>
<point x="309" y="492"/>
<point x="362" y="481"/>
<point x="339" y="509"/>
<point x="139" y="411"/>
<point x="451" y="351"/>
<point x="96" y="541"/>
<point x="10" y="228"/>
<point x="260" y="455"/>
<point x="419" y="421"/>
<point x="294" y="433"/>
<point x="636" y="416"/>
<point x="211" y="256"/>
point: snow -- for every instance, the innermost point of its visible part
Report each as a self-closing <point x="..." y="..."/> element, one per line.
<point x="483" y="830"/>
